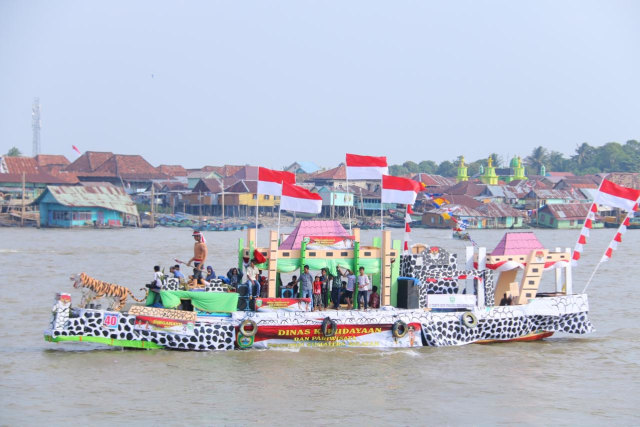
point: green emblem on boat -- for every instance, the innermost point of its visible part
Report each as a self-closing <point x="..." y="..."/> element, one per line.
<point x="244" y="342"/>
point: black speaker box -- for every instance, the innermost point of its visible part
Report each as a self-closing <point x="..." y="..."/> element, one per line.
<point x="408" y="294"/>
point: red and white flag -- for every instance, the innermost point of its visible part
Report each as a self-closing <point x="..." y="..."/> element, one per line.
<point x="618" y="237"/>
<point x="617" y="196"/>
<point x="609" y="194"/>
<point x="270" y="181"/>
<point x="366" y="167"/>
<point x="298" y="199"/>
<point x="76" y="149"/>
<point x="399" y="190"/>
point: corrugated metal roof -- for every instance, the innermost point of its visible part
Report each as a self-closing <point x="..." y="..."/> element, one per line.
<point x="499" y="210"/>
<point x="108" y="197"/>
<point x="496" y="190"/>
<point x="564" y="211"/>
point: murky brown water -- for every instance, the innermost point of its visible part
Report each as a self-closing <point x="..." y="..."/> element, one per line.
<point x="591" y="379"/>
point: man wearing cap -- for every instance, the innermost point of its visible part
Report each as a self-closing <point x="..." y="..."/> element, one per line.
<point x="199" y="256"/>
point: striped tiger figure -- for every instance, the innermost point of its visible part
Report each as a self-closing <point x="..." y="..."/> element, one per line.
<point x="99" y="289"/>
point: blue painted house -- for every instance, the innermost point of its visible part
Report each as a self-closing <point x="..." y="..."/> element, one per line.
<point x="80" y="206"/>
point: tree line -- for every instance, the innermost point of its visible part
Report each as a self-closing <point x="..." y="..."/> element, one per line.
<point x="587" y="159"/>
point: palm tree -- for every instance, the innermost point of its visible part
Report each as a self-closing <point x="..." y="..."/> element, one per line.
<point x="584" y="152"/>
<point x="537" y="158"/>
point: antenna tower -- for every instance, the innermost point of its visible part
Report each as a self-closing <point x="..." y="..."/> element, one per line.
<point x="36" y="125"/>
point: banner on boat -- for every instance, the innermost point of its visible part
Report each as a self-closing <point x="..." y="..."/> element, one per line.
<point x="163" y="324"/>
<point x="285" y="336"/>
<point x="286" y="304"/>
<point x="330" y="242"/>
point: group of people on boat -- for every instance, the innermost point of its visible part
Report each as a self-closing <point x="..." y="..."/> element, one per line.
<point x="324" y="291"/>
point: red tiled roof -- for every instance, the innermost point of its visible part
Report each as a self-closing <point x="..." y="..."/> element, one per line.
<point x="172" y="170"/>
<point x="18" y="165"/>
<point x="109" y="165"/>
<point x="89" y="161"/>
<point x="207" y="185"/>
<point x="51" y="160"/>
<point x="34" y="178"/>
<point x="466" y="188"/>
<point x="339" y="172"/>
<point x="434" y="180"/>
<point x="463" y="200"/>
<point x="243" y="186"/>
<point x="247" y="173"/>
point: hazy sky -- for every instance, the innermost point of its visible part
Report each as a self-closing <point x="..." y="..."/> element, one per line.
<point x="272" y="82"/>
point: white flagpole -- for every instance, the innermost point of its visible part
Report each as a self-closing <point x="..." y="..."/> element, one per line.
<point x="629" y="215"/>
<point x="279" y="221"/>
<point x="381" y="216"/>
<point x="257" y="206"/>
<point x="348" y="196"/>
<point x="573" y="262"/>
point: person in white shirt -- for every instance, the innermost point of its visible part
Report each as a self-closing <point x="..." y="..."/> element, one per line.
<point x="252" y="279"/>
<point x="364" y="286"/>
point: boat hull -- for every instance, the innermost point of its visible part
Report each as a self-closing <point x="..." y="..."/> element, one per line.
<point x="538" y="319"/>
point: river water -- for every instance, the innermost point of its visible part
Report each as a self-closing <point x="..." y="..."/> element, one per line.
<point x="591" y="379"/>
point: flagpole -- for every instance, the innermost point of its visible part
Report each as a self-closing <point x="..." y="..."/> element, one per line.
<point x="348" y="196"/>
<point x="627" y="218"/>
<point x="279" y="209"/>
<point x="574" y="261"/>
<point x="257" y="201"/>
<point x="381" y="217"/>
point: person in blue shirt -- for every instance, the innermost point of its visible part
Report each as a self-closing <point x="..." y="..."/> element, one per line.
<point x="210" y="274"/>
<point x="177" y="273"/>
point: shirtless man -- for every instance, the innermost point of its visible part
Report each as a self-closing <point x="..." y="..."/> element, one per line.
<point x="199" y="257"/>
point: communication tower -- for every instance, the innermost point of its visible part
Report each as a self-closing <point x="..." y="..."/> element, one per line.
<point x="36" y="125"/>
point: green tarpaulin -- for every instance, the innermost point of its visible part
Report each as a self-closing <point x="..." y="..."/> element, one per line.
<point x="371" y="266"/>
<point x="212" y="302"/>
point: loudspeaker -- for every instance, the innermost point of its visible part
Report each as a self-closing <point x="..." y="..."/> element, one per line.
<point x="243" y="290"/>
<point x="243" y="303"/>
<point x="408" y="294"/>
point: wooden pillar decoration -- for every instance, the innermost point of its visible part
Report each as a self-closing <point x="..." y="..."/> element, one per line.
<point x="251" y="240"/>
<point x="482" y="265"/>
<point x="568" y="283"/>
<point x="385" y="269"/>
<point x="558" y="272"/>
<point x="273" y="263"/>
<point x="532" y="275"/>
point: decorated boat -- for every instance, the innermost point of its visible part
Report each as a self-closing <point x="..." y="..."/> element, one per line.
<point x="427" y="298"/>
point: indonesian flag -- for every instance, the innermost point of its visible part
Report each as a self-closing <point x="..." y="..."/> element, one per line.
<point x="270" y="181"/>
<point x="399" y="190"/>
<point x="366" y="167"/>
<point x="298" y="199"/>
<point x="617" y="196"/>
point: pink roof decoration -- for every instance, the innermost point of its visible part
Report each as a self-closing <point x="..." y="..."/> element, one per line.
<point x="313" y="228"/>
<point x="517" y="244"/>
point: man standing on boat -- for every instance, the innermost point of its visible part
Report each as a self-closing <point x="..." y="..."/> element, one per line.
<point x="199" y="256"/>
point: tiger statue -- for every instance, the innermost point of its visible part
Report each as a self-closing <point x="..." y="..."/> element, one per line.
<point x="99" y="289"/>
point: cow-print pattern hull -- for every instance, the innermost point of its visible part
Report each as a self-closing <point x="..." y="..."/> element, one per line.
<point x="452" y="331"/>
<point x="206" y="335"/>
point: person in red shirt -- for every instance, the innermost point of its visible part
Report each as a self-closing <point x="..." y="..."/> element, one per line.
<point x="317" y="294"/>
<point x="374" y="298"/>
